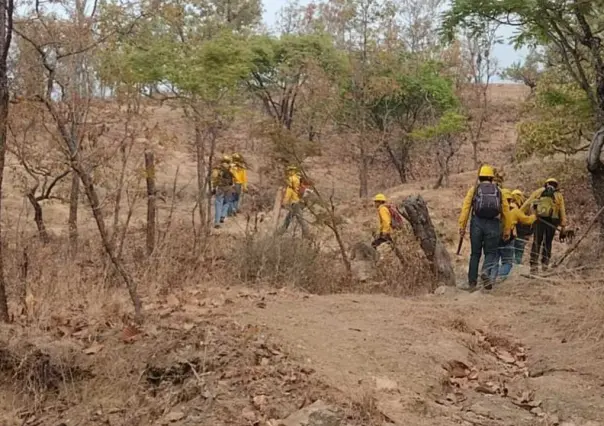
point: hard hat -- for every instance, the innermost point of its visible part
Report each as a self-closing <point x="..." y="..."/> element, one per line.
<point x="380" y="197"/>
<point x="292" y="168"/>
<point x="551" y="180"/>
<point x="518" y="193"/>
<point x="486" y="171"/>
<point x="226" y="159"/>
<point x="237" y="156"/>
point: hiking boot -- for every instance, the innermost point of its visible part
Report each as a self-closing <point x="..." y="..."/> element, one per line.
<point x="222" y="220"/>
<point x="471" y="287"/>
<point x="488" y="285"/>
<point x="217" y="226"/>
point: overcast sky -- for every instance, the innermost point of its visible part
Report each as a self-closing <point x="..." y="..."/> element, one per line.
<point x="505" y="53"/>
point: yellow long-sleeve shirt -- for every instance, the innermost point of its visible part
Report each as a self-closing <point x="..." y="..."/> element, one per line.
<point x="466" y="209"/>
<point x="239" y="175"/>
<point x="292" y="191"/>
<point x="385" y="220"/>
<point x="559" y="205"/>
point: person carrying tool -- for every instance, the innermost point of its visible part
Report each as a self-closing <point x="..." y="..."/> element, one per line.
<point x="292" y="201"/>
<point x="490" y="213"/>
<point x="385" y="221"/>
<point x="505" y="252"/>
<point x="548" y="205"/>
<point x="523" y="231"/>
<point x="222" y="189"/>
<point x="239" y="171"/>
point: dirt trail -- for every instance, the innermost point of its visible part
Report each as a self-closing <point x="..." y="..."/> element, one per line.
<point x="405" y="345"/>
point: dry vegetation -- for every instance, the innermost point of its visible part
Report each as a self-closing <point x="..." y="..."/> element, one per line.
<point x="126" y="307"/>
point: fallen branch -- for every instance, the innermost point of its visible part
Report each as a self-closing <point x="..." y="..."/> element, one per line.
<point x="574" y="246"/>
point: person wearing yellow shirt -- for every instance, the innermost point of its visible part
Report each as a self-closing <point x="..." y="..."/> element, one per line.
<point x="385" y="221"/>
<point x="292" y="202"/>
<point x="239" y="172"/>
<point x="222" y="189"/>
<point x="523" y="231"/>
<point x="489" y="215"/>
<point x="548" y="204"/>
<point x="505" y="252"/>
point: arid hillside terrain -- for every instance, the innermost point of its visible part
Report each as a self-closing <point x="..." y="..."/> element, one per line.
<point x="249" y="328"/>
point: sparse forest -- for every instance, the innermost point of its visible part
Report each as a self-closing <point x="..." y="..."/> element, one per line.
<point x="124" y="301"/>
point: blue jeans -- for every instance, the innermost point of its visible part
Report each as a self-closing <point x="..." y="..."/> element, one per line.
<point x="484" y="237"/>
<point x="505" y="254"/>
<point x="235" y="198"/>
<point x="519" y="244"/>
<point x="221" y="206"/>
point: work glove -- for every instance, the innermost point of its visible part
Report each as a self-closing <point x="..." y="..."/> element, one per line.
<point x="462" y="232"/>
<point x="562" y="234"/>
<point x="214" y="191"/>
<point x="506" y="236"/>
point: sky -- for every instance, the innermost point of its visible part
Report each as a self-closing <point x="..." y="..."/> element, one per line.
<point x="506" y="55"/>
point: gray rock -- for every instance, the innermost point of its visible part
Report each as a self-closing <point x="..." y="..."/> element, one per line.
<point x="316" y="414"/>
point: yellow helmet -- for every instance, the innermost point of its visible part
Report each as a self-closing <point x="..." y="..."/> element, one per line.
<point x="518" y="193"/>
<point x="380" y="197"/>
<point x="292" y="168"/>
<point x="507" y="194"/>
<point x="552" y="180"/>
<point x="486" y="171"/>
<point x="226" y="159"/>
<point x="237" y="157"/>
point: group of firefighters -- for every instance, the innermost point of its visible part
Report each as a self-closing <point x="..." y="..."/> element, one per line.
<point x="501" y="220"/>
<point x="229" y="182"/>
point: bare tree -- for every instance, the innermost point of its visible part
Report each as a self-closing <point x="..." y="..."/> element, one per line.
<point x="481" y="67"/>
<point x="6" y="31"/>
<point x="65" y="61"/>
<point x="151" y="198"/>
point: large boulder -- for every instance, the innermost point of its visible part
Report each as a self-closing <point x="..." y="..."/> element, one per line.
<point x="316" y="414"/>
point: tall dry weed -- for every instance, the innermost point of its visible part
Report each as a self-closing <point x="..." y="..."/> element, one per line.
<point x="285" y="261"/>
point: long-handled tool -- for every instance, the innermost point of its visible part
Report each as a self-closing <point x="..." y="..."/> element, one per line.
<point x="459" y="245"/>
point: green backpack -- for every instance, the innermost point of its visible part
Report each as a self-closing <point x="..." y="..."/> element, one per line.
<point x="546" y="203"/>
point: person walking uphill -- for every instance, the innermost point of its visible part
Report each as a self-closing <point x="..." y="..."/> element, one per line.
<point x="292" y="202"/>
<point x="385" y="218"/>
<point x="239" y="172"/>
<point x="548" y="204"/>
<point x="506" y="250"/>
<point x="490" y="218"/>
<point x="523" y="231"/>
<point x="222" y="189"/>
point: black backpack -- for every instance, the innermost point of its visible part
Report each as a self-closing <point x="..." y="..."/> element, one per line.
<point x="487" y="201"/>
<point x="225" y="178"/>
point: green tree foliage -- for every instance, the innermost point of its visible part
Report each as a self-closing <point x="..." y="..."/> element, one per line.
<point x="282" y="68"/>
<point x="526" y="72"/>
<point x="572" y="30"/>
<point x="559" y="119"/>
<point x="402" y="94"/>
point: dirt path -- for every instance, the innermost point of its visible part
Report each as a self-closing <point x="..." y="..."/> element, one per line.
<point x="395" y="350"/>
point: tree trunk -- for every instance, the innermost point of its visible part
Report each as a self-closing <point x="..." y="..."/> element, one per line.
<point x="97" y="213"/>
<point x="6" y="29"/>
<point x="72" y="222"/>
<point x="38" y="218"/>
<point x="596" y="170"/>
<point x="400" y="167"/>
<point x="419" y="217"/>
<point x="201" y="176"/>
<point x="151" y="198"/>
<point x="363" y="171"/>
